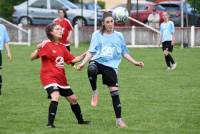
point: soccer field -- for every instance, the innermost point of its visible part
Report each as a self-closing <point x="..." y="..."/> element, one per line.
<point x="154" y="100"/>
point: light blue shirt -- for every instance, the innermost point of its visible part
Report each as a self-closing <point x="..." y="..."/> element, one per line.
<point x="4" y="38"/>
<point x="166" y="31"/>
<point x="108" y="49"/>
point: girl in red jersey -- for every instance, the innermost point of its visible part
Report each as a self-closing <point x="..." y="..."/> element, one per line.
<point x="53" y="54"/>
<point x="66" y="27"/>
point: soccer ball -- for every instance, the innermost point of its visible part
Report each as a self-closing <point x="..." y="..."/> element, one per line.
<point x="120" y="14"/>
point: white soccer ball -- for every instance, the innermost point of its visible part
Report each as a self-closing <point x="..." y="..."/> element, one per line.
<point x="120" y="14"/>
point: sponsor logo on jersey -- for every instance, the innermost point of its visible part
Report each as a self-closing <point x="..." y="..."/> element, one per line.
<point x="59" y="62"/>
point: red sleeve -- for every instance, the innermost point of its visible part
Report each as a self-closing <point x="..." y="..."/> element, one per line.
<point x="44" y="51"/>
<point x="69" y="26"/>
<point x="68" y="57"/>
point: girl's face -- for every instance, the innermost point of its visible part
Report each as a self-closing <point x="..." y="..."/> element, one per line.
<point x="165" y="16"/>
<point x="57" y="32"/>
<point x="61" y="14"/>
<point x="109" y="24"/>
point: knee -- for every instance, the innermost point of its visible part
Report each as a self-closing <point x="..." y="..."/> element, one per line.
<point x="55" y="96"/>
<point x="113" y="89"/>
<point x="166" y="52"/>
<point x="92" y="69"/>
<point x="72" y="99"/>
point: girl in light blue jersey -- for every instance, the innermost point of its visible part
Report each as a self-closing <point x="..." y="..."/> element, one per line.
<point x="167" y="40"/>
<point x="106" y="49"/>
<point x="4" y="39"/>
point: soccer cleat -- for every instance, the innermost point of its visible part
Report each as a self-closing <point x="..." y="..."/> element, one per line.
<point x="173" y="66"/>
<point x="51" y="126"/>
<point x="120" y="123"/>
<point x="94" y="100"/>
<point x="84" y="122"/>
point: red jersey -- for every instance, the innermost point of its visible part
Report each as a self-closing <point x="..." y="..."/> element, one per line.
<point x="53" y="55"/>
<point x="66" y="28"/>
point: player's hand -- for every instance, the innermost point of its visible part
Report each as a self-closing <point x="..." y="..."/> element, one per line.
<point x="9" y="57"/>
<point x="79" y="67"/>
<point x="158" y="44"/>
<point x="140" y="64"/>
<point x="173" y="40"/>
<point x="39" y="46"/>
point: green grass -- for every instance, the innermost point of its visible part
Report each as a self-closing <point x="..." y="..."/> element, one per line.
<point x="154" y="101"/>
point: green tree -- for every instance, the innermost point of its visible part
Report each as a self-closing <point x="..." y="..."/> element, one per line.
<point x="6" y="7"/>
<point x="195" y="4"/>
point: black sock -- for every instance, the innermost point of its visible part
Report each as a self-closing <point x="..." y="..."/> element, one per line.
<point x="93" y="82"/>
<point x="52" y="112"/>
<point x="171" y="59"/>
<point x="167" y="61"/>
<point x="116" y="103"/>
<point x="77" y="112"/>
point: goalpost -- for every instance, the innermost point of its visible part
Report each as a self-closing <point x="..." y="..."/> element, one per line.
<point x="17" y="34"/>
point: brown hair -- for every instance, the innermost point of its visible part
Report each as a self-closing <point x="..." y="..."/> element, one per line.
<point x="105" y="15"/>
<point x="48" y="30"/>
<point x="64" y="11"/>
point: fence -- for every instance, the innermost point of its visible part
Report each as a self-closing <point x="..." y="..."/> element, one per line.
<point x="18" y="34"/>
<point x="143" y="36"/>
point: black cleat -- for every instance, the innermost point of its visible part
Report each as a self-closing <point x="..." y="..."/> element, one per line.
<point x="84" y="122"/>
<point x="51" y="126"/>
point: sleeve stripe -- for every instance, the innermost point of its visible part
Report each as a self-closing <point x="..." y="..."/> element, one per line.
<point x="69" y="23"/>
<point x="45" y="42"/>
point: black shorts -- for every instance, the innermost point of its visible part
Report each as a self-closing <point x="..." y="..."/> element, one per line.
<point x="109" y="75"/>
<point x="167" y="45"/>
<point x="63" y="92"/>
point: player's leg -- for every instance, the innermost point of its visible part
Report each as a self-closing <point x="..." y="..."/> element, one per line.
<point x="109" y="76"/>
<point x="54" y="93"/>
<point x="75" y="107"/>
<point x="166" y="52"/>
<point x="92" y="76"/>
<point x="173" y="64"/>
<point x="114" y="92"/>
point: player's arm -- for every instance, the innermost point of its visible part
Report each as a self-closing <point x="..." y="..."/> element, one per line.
<point x="79" y="58"/>
<point x="133" y="61"/>
<point x="34" y="54"/>
<point x="173" y="30"/>
<point x="159" y="39"/>
<point x="88" y="56"/>
<point x="173" y="39"/>
<point x="69" y="35"/>
<point x="9" y="54"/>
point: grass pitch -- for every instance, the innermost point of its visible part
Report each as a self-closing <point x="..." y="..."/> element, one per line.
<point x="154" y="101"/>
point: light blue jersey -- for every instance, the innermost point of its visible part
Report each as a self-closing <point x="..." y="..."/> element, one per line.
<point x="108" y="49"/>
<point x="166" y="31"/>
<point x="4" y="38"/>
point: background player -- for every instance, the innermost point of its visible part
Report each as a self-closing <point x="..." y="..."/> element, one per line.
<point x="4" y="39"/>
<point x="168" y="39"/>
<point x="53" y="54"/>
<point x="66" y="27"/>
